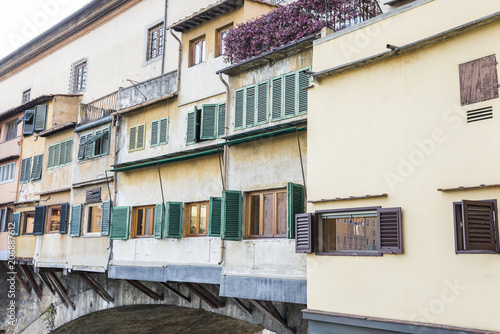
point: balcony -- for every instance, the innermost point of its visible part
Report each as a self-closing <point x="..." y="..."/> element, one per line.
<point x="98" y="109"/>
<point x="10" y="149"/>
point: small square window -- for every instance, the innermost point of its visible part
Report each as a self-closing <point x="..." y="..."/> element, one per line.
<point x="155" y="42"/>
<point x="267" y="214"/>
<point x="28" y="222"/>
<point x="143" y="221"/>
<point x="197" y="51"/>
<point x="26" y="96"/>
<point x="221" y="35"/>
<point x="198" y="218"/>
<point x="54" y="219"/>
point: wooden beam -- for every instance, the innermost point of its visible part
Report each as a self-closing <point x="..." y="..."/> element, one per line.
<point x="176" y="292"/>
<point x="17" y="276"/>
<point x="60" y="289"/>
<point x="241" y="305"/>
<point x="208" y="294"/>
<point x="96" y="287"/>
<point x="31" y="279"/>
<point x="211" y="303"/>
<point x="147" y="291"/>
<point x="45" y="280"/>
<point x="273" y="313"/>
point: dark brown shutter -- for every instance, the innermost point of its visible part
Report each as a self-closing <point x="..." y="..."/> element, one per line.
<point x="478" y="80"/>
<point x="93" y="195"/>
<point x="304" y="236"/>
<point x="39" y="223"/>
<point x="390" y="236"/>
<point x="479" y="224"/>
<point x="63" y="223"/>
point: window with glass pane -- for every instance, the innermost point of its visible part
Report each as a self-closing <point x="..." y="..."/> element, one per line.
<point x="26" y="96"/>
<point x="198" y="218"/>
<point x="54" y="219"/>
<point x="80" y="77"/>
<point x="28" y="222"/>
<point x="11" y="132"/>
<point x="94" y="217"/>
<point x="197" y="51"/>
<point x="143" y="221"/>
<point x="221" y="35"/>
<point x="267" y="214"/>
<point x="155" y="42"/>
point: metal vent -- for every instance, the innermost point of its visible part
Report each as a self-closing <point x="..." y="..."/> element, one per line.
<point x="479" y="114"/>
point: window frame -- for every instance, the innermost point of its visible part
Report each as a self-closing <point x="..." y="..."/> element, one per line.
<point x="188" y="219"/>
<point x="59" y="165"/>
<point x="160" y="45"/>
<point x="257" y="97"/>
<point x="220" y="47"/>
<point x="136" y="127"/>
<point x="10" y="135"/>
<point x="74" y="76"/>
<point x="24" y="218"/>
<point x="158" y="124"/>
<point x="192" y="51"/>
<point x="92" y="154"/>
<point x="11" y="171"/>
<point x="88" y="216"/>
<point x="135" y="212"/>
<point x="297" y="111"/>
<point x="49" y="216"/>
<point x="248" y="212"/>
<point x="23" y="96"/>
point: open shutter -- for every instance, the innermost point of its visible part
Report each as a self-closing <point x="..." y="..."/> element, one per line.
<point x="120" y="217"/>
<point x="93" y="195"/>
<point x="159" y="221"/>
<point x="63" y="223"/>
<point x="479" y="225"/>
<point x="231" y="215"/>
<point x="390" y="236"/>
<point x="295" y="205"/>
<point x="290" y="93"/>
<point x="208" y="121"/>
<point x="39" y="223"/>
<point x="173" y="220"/>
<point x="106" y="217"/>
<point x="141" y="136"/>
<point x="23" y="171"/>
<point x="16" y="220"/>
<point x="276" y="98"/>
<point x="221" y="121"/>
<point x="304" y="227"/>
<point x="214" y="220"/>
<point x="36" y="173"/>
<point x="239" y="97"/>
<point x="155" y="138"/>
<point x="303" y="83"/>
<point x="250" y="106"/>
<point x="28" y="125"/>
<point x="132" y="139"/>
<point x="262" y="102"/>
<point x="192" y="127"/>
<point x="89" y="147"/>
<point x="81" y="148"/>
<point x="76" y="220"/>
<point x="40" y="117"/>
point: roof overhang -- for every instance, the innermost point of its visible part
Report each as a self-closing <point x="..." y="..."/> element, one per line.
<point x="57" y="129"/>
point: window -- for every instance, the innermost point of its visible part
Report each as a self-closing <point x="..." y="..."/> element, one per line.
<point x="60" y="154"/>
<point x="159" y="132"/>
<point x="155" y="42"/>
<point x="25" y="170"/>
<point x="11" y="131"/>
<point x="267" y="214"/>
<point x="41" y="117"/>
<point x="29" y="122"/>
<point x="198" y="218"/>
<point x="221" y="35"/>
<point x="26" y="96"/>
<point x="476" y="227"/>
<point x="143" y="221"/>
<point x="7" y="172"/>
<point x="251" y="105"/>
<point x="478" y="80"/>
<point x="94" y="144"/>
<point x="78" y="79"/>
<point x="137" y="137"/>
<point x="93" y="195"/>
<point x="289" y="94"/>
<point x="54" y="219"/>
<point x="29" y="173"/>
<point x="197" y="51"/>
<point x="28" y="222"/>
<point x="207" y="123"/>
<point x="94" y="218"/>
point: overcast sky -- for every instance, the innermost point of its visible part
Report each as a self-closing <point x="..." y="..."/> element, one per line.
<point x="22" y="20"/>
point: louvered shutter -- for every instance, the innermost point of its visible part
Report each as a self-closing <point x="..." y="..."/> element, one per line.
<point x="304" y="227"/>
<point x="62" y="153"/>
<point x="69" y="152"/>
<point x="63" y="223"/>
<point x="303" y="80"/>
<point x="158" y="221"/>
<point x="39" y="223"/>
<point x="28" y="125"/>
<point x="81" y="148"/>
<point x="480" y="225"/>
<point x="214" y="220"/>
<point x="40" y="117"/>
<point x="3" y="220"/>
<point x="231" y="215"/>
<point x="120" y="217"/>
<point x="221" y="121"/>
<point x="290" y="93"/>
<point x="89" y="148"/>
<point x="250" y="106"/>
<point x="262" y="102"/>
<point x="76" y="220"/>
<point x="276" y="98"/>
<point x="25" y="170"/>
<point x="141" y="136"/>
<point x="155" y="138"/>
<point x="192" y="127"/>
<point x="36" y="173"/>
<point x="208" y="121"/>
<point x="106" y="217"/>
<point x="390" y="236"/>
<point x="239" y="97"/>
<point x="173" y="221"/>
<point x="16" y="220"/>
<point x="295" y="205"/>
<point x="164" y="130"/>
<point x="50" y="162"/>
<point x="132" y="139"/>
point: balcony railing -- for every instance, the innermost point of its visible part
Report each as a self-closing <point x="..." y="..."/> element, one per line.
<point x="99" y="108"/>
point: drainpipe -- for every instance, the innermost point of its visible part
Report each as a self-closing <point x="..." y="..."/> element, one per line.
<point x="178" y="62"/>
<point x="164" y="38"/>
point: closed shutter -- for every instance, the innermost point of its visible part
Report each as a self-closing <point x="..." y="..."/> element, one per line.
<point x="50" y="162"/>
<point x="62" y="153"/>
<point x="164" y="130"/>
<point x="39" y="223"/>
<point x="141" y="136"/>
<point x="295" y="205"/>
<point x="36" y="173"/>
<point x="120" y="216"/>
<point x="132" y="139"/>
<point x="155" y="138"/>
<point x="159" y="221"/>
<point x="290" y="93"/>
<point x="28" y="125"/>
<point x="76" y="220"/>
<point x="478" y="80"/>
<point x="40" y="117"/>
<point x="214" y="221"/>
<point x="250" y="106"/>
<point x="302" y="94"/>
<point x="231" y="215"/>
<point x="390" y="236"/>
<point x="16" y="220"/>
<point x="192" y="127"/>
<point x="208" y="121"/>
<point x="262" y="102"/>
<point x="106" y="217"/>
<point x="81" y="148"/>
<point x="173" y="220"/>
<point x="221" y="122"/>
<point x="63" y="223"/>
<point x="93" y="195"/>
<point x="276" y="98"/>
<point x="3" y="220"/>
<point x="304" y="239"/>
<point x="69" y="152"/>
<point x="480" y="226"/>
<point x="239" y="98"/>
<point x="25" y="170"/>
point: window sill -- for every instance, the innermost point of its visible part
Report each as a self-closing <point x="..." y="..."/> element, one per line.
<point x="265" y="237"/>
<point x="476" y="252"/>
<point x="52" y="232"/>
<point x="350" y="253"/>
<point x="152" y="60"/>
<point x="92" y="235"/>
<point x="93" y="158"/>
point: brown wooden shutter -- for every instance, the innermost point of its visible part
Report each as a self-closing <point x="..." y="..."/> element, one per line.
<point x="304" y="229"/>
<point x="480" y="225"/>
<point x="478" y="80"/>
<point x="93" y="195"/>
<point x="390" y="236"/>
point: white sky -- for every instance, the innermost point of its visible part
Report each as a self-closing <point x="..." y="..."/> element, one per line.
<point x="22" y="20"/>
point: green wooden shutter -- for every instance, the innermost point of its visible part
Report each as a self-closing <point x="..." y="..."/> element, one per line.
<point x="290" y="94"/>
<point x="89" y="148"/>
<point x="155" y="138"/>
<point x="63" y="223"/>
<point x="158" y="221"/>
<point x="303" y="83"/>
<point x="250" y="106"/>
<point x="50" y="162"/>
<point x="16" y="220"/>
<point x="120" y="217"/>
<point x="141" y="136"/>
<point x="28" y="125"/>
<point x="295" y="205"/>
<point x="36" y="173"/>
<point x="239" y="97"/>
<point x="81" y="148"/>
<point x="231" y="215"/>
<point x="214" y="220"/>
<point x="62" y="153"/>
<point x="262" y="102"/>
<point x="173" y="220"/>
<point x="192" y="133"/>
<point x="40" y="117"/>
<point x="69" y="152"/>
<point x="26" y="173"/>
<point x="132" y="139"/>
<point x="39" y="223"/>
<point x="221" y="121"/>
<point x="163" y="129"/>
<point x="106" y="216"/>
<point x="76" y="220"/>
<point x="276" y="98"/>
<point x="208" y="121"/>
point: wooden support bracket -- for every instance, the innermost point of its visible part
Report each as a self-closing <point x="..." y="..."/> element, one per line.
<point x="271" y="311"/>
<point x="46" y="281"/>
<point x="96" y="287"/>
<point x="60" y="289"/>
<point x="241" y="305"/>
<point x="17" y="276"/>
<point x="144" y="289"/>
<point x="31" y="279"/>
<point x="208" y="294"/>
<point x="212" y="303"/>
<point x="176" y="292"/>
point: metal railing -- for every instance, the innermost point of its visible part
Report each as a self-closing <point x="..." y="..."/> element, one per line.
<point x="341" y="15"/>
<point x="98" y="109"/>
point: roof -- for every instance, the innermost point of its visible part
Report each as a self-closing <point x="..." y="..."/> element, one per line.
<point x="206" y="14"/>
<point x="57" y="129"/>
